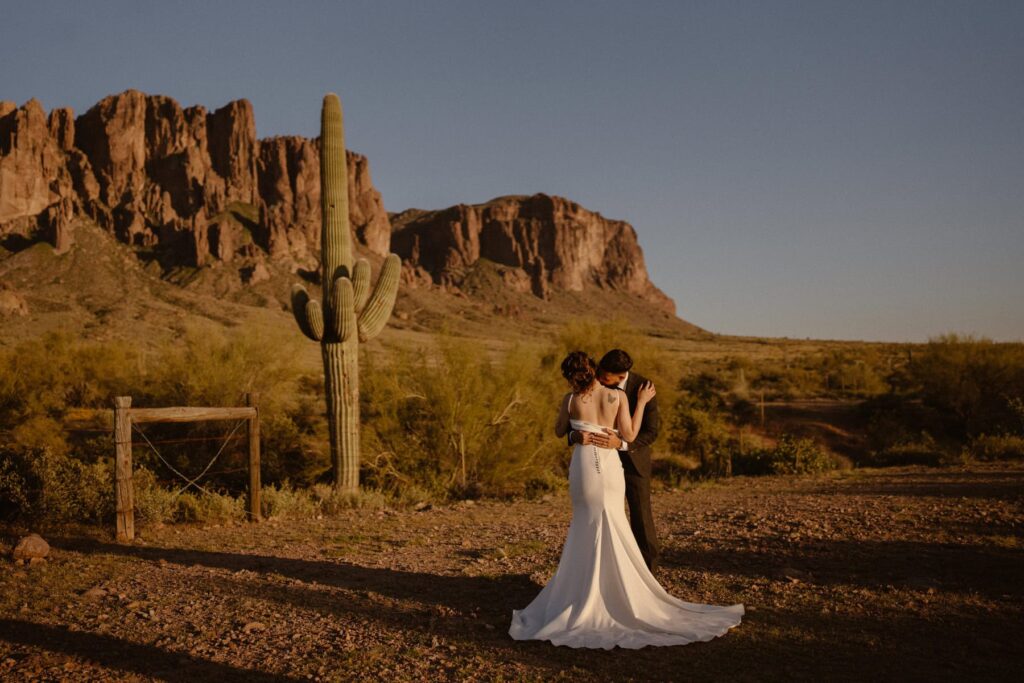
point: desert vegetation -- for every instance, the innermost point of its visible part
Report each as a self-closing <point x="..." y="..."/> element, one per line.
<point x="456" y="421"/>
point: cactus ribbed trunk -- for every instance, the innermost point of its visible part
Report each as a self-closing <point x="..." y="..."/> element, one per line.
<point x="341" y="374"/>
<point x="350" y="313"/>
<point x="335" y="236"/>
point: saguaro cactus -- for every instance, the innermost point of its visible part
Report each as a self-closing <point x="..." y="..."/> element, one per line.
<point x="350" y="313"/>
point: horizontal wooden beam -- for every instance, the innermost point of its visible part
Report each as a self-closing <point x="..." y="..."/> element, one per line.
<point x="187" y="414"/>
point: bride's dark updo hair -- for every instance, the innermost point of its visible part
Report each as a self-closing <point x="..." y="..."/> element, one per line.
<point x="580" y="369"/>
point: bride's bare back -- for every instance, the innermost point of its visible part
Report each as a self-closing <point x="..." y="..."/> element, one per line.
<point x="599" y="405"/>
<point x="604" y="407"/>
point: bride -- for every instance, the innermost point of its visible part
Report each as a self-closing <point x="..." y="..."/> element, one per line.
<point x="602" y="593"/>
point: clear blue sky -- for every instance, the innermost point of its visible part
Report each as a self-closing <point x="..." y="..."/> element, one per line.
<point x="849" y="170"/>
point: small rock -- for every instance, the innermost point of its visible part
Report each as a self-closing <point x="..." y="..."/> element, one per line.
<point x="94" y="593"/>
<point x="253" y="626"/>
<point x="31" y="547"/>
<point x="422" y="505"/>
<point x="36" y="560"/>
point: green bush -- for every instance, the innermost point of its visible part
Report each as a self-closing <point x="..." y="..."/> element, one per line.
<point x="330" y="501"/>
<point x="1004" y="447"/>
<point x="37" y="483"/>
<point x="209" y="508"/>
<point x="43" y="380"/>
<point x="701" y="434"/>
<point x="923" y="450"/>
<point x="790" y="455"/>
<point x="673" y="470"/>
<point x="976" y="385"/>
<point x="459" y="424"/>
<point x="153" y="503"/>
<point x="287" y="502"/>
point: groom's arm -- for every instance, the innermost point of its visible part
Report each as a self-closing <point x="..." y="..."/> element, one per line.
<point x="562" y="421"/>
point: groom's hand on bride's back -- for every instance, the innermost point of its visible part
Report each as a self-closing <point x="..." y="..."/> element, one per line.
<point x="607" y="440"/>
<point x="584" y="438"/>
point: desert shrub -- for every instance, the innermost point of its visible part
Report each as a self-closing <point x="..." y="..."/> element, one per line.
<point x="921" y="450"/>
<point x="154" y="504"/>
<point x="548" y="482"/>
<point x="673" y="470"/>
<point x="38" y="483"/>
<point x="702" y="434"/>
<point x="211" y="507"/>
<point x="287" y="502"/>
<point x="1001" y="447"/>
<point x="330" y="501"/>
<point x="458" y="423"/>
<point x="976" y="385"/>
<point x="43" y="379"/>
<point x="790" y="455"/>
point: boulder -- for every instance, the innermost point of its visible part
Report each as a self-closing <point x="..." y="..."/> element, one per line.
<point x="31" y="547"/>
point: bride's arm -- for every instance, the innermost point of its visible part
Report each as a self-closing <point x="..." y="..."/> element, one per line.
<point x="627" y="426"/>
<point x="630" y="427"/>
<point x="562" y="422"/>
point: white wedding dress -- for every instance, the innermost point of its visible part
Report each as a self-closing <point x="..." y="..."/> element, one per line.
<point x="602" y="593"/>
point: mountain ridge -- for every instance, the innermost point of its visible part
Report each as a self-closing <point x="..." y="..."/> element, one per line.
<point x="192" y="190"/>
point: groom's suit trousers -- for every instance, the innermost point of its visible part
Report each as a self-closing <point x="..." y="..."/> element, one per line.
<point x="636" y="465"/>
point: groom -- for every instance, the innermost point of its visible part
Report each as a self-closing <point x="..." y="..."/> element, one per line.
<point x="614" y="371"/>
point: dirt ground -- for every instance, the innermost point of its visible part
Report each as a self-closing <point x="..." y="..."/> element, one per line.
<point x="898" y="574"/>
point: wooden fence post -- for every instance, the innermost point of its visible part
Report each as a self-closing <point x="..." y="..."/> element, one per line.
<point x="252" y="400"/>
<point x="124" y="491"/>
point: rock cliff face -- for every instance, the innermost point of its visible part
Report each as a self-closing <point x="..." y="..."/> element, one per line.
<point x="178" y="180"/>
<point x="548" y="242"/>
<point x="190" y="187"/>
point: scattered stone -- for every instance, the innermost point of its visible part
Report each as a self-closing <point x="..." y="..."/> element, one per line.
<point x="31" y="547"/>
<point x="253" y="626"/>
<point x="12" y="303"/>
<point x="94" y="594"/>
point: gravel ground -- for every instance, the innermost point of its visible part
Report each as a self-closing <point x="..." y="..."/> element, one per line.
<point x="896" y="574"/>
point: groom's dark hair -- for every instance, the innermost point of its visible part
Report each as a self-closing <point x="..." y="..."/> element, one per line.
<point x="616" y="361"/>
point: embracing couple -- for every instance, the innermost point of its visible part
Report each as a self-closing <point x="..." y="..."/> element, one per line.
<point x="604" y="593"/>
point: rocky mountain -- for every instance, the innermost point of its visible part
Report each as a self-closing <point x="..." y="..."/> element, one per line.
<point x="189" y="186"/>
<point x="185" y="187"/>
<point x="545" y="243"/>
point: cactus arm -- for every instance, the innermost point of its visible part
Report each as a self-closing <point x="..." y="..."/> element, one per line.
<point x="315" y="316"/>
<point x="343" y="312"/>
<point x="382" y="301"/>
<point x="300" y="298"/>
<point x="361" y="283"/>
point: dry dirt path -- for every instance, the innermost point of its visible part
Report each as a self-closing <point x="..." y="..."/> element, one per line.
<point x="909" y="574"/>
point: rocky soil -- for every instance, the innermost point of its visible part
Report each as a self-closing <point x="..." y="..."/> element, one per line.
<point x="898" y="574"/>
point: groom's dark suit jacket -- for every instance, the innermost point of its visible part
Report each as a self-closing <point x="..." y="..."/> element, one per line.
<point x="636" y="465"/>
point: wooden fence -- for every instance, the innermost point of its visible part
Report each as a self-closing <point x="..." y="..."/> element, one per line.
<point x="125" y="416"/>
